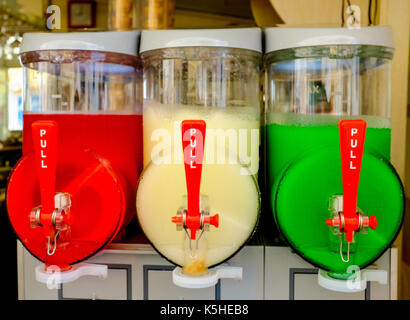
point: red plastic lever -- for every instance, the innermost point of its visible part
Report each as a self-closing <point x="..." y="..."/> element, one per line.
<point x="352" y="134"/>
<point x="45" y="137"/>
<point x="45" y="148"/>
<point x="193" y="142"/>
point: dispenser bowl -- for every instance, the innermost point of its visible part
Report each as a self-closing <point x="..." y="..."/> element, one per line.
<point x="97" y="209"/>
<point x="230" y="190"/>
<point x="301" y="206"/>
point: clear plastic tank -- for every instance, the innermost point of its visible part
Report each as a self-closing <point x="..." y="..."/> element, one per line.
<point x="207" y="80"/>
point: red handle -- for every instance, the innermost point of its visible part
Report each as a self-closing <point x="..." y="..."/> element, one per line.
<point x="45" y="148"/>
<point x="352" y="135"/>
<point x="193" y="141"/>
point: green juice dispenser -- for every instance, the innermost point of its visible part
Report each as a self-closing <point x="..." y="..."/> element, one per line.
<point x="335" y="197"/>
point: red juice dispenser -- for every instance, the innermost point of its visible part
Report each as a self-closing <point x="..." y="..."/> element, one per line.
<point x="74" y="188"/>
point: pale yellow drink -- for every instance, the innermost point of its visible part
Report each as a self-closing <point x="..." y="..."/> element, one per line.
<point x="231" y="159"/>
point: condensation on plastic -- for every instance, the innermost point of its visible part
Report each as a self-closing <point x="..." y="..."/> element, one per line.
<point x="81" y="81"/>
<point x="334" y="80"/>
<point x="202" y="76"/>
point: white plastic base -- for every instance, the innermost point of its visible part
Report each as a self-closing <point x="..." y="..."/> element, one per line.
<point x="207" y="280"/>
<point x="53" y="277"/>
<point x="356" y="284"/>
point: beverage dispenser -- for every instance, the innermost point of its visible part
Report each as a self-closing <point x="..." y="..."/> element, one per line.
<point x="335" y="197"/>
<point x="74" y="188"/>
<point x="198" y="198"/>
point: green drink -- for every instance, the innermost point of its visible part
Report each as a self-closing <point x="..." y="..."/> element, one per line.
<point x="315" y="77"/>
<point x="304" y="173"/>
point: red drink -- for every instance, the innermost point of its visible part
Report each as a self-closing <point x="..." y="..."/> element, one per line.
<point x="115" y="137"/>
<point x="99" y="159"/>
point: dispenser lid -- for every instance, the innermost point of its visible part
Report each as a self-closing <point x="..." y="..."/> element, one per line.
<point x="287" y="38"/>
<point x="125" y="42"/>
<point x="242" y="38"/>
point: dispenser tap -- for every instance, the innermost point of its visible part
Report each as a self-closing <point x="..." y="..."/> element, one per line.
<point x="352" y="136"/>
<point x="193" y="141"/>
<point x="53" y="213"/>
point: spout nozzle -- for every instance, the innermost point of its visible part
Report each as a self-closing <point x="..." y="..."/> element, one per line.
<point x="193" y="234"/>
<point x="349" y="236"/>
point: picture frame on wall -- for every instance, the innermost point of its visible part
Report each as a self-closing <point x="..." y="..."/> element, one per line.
<point x="81" y="14"/>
